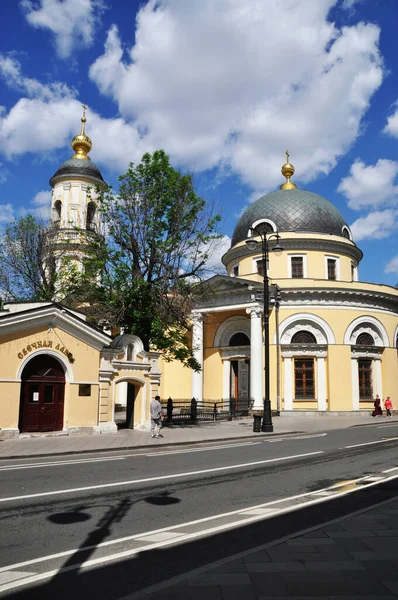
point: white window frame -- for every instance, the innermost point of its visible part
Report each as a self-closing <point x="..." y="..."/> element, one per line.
<point x="337" y="260"/>
<point x="254" y="265"/>
<point x="354" y="272"/>
<point x="289" y="265"/>
<point x="232" y="270"/>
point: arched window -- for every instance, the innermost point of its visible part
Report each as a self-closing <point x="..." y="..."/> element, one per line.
<point x="303" y="337"/>
<point x="346" y="233"/>
<point x="263" y="227"/>
<point x="57" y="213"/>
<point x="239" y="339"/>
<point x="130" y="351"/>
<point x="365" y="339"/>
<point x="90" y="221"/>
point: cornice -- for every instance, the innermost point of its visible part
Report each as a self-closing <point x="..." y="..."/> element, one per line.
<point x="341" y="297"/>
<point x="321" y="244"/>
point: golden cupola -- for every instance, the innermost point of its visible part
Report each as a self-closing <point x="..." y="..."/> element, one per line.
<point x="288" y="171"/>
<point x="81" y="143"/>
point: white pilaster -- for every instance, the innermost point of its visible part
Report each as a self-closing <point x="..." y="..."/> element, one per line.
<point x="378" y="378"/>
<point x="288" y="383"/>
<point x="226" y="374"/>
<point x="197" y="345"/>
<point x="355" y="384"/>
<point x="256" y="359"/>
<point x="321" y="372"/>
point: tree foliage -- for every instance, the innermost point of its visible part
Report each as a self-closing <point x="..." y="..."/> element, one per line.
<point x="159" y="236"/>
<point x="27" y="270"/>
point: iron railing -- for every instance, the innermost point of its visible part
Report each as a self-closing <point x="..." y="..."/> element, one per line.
<point x="207" y="410"/>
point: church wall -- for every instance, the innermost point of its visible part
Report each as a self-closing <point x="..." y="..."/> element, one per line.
<point x="212" y="385"/>
<point x="340" y="378"/>
<point x="82" y="410"/>
<point x="389" y="369"/>
<point x="176" y="380"/>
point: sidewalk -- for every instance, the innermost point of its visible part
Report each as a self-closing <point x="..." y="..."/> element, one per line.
<point x="351" y="558"/>
<point x="239" y="430"/>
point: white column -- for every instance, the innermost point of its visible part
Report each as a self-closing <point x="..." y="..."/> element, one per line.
<point x="256" y="357"/>
<point x="355" y="384"/>
<point x="226" y="382"/>
<point x="377" y="376"/>
<point x="321" y="372"/>
<point x="197" y="345"/>
<point x="288" y="383"/>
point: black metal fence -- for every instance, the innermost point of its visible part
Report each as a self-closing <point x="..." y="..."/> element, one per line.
<point x="192" y="410"/>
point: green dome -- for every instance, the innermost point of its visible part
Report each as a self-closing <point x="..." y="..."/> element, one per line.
<point x="292" y="210"/>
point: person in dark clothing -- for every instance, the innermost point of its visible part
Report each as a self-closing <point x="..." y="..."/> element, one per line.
<point x="377" y="404"/>
<point x="169" y="410"/>
<point x="194" y="409"/>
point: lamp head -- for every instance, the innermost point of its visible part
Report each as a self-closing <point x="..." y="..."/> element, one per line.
<point x="251" y="243"/>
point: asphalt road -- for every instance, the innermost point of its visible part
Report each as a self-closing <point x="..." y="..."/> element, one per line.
<point x="50" y="506"/>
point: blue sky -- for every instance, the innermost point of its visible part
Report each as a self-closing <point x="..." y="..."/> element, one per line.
<point x="224" y="87"/>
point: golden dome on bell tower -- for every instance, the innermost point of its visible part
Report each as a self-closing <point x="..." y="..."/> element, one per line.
<point x="288" y="171"/>
<point x="81" y="143"/>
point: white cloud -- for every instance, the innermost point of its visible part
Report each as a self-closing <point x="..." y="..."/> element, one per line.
<point x="392" y="123"/>
<point x="73" y="22"/>
<point x="41" y="205"/>
<point x="392" y="266"/>
<point x="236" y="83"/>
<point x="6" y="213"/>
<point x="216" y="251"/>
<point x="376" y="225"/>
<point x="371" y="185"/>
<point x="10" y="70"/>
<point x="349" y="4"/>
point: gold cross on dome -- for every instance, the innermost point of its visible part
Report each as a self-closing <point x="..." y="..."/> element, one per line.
<point x="287" y="155"/>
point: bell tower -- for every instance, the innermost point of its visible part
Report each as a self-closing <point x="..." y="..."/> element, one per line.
<point x="74" y="204"/>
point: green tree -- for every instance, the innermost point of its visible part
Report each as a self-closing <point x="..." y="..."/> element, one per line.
<point x="159" y="236"/>
<point x="27" y="268"/>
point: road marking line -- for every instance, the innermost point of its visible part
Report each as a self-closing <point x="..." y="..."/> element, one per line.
<point x="159" y="478"/>
<point x="56" y="463"/>
<point x="11" y="576"/>
<point x="182" y="538"/>
<point x="226" y="446"/>
<point x="369" y="443"/>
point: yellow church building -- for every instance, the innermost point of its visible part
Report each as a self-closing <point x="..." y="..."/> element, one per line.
<point x="333" y="339"/>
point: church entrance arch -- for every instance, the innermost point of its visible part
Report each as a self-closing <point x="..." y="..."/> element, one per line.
<point x="42" y="395"/>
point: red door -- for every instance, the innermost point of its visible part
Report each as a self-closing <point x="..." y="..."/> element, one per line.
<point x="42" y="395"/>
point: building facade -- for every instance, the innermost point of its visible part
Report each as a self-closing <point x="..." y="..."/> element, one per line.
<point x="333" y="341"/>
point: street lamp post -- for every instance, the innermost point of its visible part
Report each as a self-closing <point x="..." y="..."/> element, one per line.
<point x="266" y="425"/>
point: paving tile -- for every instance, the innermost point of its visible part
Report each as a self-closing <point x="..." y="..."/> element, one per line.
<point x="211" y="579"/>
<point x="318" y="588"/>
<point x="392" y="586"/>
<point x="352" y="544"/>
<point x="302" y="541"/>
<point x="349" y="534"/>
<point x="239" y="592"/>
<point x="274" y="567"/>
<point x="261" y="556"/>
<point x="306" y="576"/>
<point x="335" y="553"/>
<point x="335" y="565"/>
<point x="236" y="566"/>
<point x="316" y="534"/>
<point x="187" y="593"/>
<point x="268" y="584"/>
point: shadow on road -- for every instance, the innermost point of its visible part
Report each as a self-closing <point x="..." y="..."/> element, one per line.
<point x="115" y="580"/>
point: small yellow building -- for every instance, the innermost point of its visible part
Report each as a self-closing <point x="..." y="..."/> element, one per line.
<point x="59" y="373"/>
